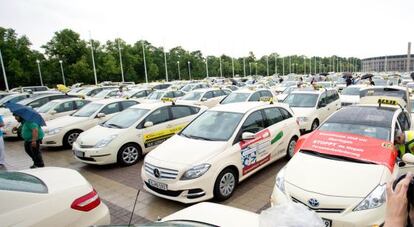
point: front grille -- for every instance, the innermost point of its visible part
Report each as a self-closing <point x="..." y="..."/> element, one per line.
<point x="319" y="210"/>
<point x="163" y="192"/>
<point x="165" y="173"/>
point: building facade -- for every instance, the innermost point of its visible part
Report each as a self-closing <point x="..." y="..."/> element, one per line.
<point x="388" y="63"/>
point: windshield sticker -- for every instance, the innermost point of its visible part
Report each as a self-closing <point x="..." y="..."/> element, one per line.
<point x="254" y="152"/>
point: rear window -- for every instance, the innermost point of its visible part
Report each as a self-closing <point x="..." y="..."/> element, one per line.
<point x="21" y="182"/>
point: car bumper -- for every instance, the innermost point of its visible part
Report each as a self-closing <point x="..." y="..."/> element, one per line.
<point x="53" y="140"/>
<point x="184" y="191"/>
<point x="99" y="216"/>
<point x="96" y="156"/>
<point x="346" y="218"/>
<point x="305" y="126"/>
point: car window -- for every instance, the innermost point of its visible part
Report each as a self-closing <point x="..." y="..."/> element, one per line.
<point x="140" y="94"/>
<point x="159" y="116"/>
<point x="127" y="104"/>
<point x="265" y="94"/>
<point x="208" y="95"/>
<point x="80" y="103"/>
<point x="178" y="93"/>
<point x="112" y="94"/>
<point x="273" y="116"/>
<point x="226" y="92"/>
<point x="218" y="93"/>
<point x="253" y="123"/>
<point x="169" y="95"/>
<point x="402" y="119"/>
<point x="255" y="97"/>
<point x="180" y="111"/>
<point x="285" y="113"/>
<point x="39" y="102"/>
<point x="111" y="108"/>
<point x="63" y="107"/>
<point x="21" y="182"/>
<point x="322" y="99"/>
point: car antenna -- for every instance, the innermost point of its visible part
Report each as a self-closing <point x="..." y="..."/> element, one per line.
<point x="133" y="209"/>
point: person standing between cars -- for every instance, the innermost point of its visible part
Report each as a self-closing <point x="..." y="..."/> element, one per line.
<point x="404" y="141"/>
<point x="32" y="135"/>
<point x="348" y="81"/>
<point x="120" y="93"/>
<point x="2" y="153"/>
<point x="300" y="83"/>
<point x="371" y="82"/>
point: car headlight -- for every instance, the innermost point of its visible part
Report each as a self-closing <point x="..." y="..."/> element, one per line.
<point x="375" y="199"/>
<point x="303" y="119"/>
<point x="54" y="131"/>
<point x="280" y="180"/>
<point x="104" y="142"/>
<point x="195" y="172"/>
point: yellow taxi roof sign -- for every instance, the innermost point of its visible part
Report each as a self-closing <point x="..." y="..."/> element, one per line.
<point x="168" y="100"/>
<point x="388" y="102"/>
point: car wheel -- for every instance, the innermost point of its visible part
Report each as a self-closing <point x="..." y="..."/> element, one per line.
<point x="70" y="137"/>
<point x="315" y="124"/>
<point x="291" y="147"/>
<point x="225" y="184"/>
<point x="129" y="154"/>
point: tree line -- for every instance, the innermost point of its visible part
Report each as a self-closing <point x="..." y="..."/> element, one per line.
<point x="20" y="61"/>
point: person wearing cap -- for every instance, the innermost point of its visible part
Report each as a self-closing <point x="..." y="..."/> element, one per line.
<point x="404" y="141"/>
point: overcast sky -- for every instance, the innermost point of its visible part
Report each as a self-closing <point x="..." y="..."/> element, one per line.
<point x="360" y="28"/>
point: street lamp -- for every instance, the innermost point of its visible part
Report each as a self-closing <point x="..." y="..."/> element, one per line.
<point x="207" y="66"/>
<point x="63" y="74"/>
<point x="189" y="69"/>
<point x="178" y="67"/>
<point x="256" y="67"/>
<point x="40" y="72"/>
<point x="120" y="61"/>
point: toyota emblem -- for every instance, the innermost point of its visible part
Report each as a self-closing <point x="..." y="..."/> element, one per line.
<point x="313" y="202"/>
<point x="157" y="173"/>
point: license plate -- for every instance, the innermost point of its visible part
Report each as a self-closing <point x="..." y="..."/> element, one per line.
<point x="327" y="222"/>
<point x="79" y="153"/>
<point x="158" y="185"/>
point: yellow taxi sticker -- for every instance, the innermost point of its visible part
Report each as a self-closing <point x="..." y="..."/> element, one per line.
<point x="163" y="133"/>
<point x="266" y="99"/>
<point x="167" y="99"/>
<point x="387" y="102"/>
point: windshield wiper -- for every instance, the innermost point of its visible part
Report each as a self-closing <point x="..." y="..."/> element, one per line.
<point x="335" y="157"/>
<point x="114" y="125"/>
<point x="196" y="137"/>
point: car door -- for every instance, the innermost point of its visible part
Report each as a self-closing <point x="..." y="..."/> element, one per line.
<point x="322" y="107"/>
<point x="279" y="132"/>
<point x="181" y="116"/>
<point x="154" y="135"/>
<point x="109" y="110"/>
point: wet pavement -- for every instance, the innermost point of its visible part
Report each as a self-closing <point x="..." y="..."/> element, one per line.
<point x="118" y="186"/>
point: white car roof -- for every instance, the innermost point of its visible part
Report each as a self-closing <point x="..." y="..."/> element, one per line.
<point x="244" y="107"/>
<point x="247" y="90"/>
<point x="65" y="100"/>
<point x="107" y="101"/>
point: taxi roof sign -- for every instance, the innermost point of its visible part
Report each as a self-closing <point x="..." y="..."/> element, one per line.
<point x="168" y="100"/>
<point x="387" y="102"/>
<point x="266" y="99"/>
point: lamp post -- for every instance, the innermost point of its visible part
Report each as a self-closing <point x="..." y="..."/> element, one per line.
<point x="267" y="65"/>
<point x="178" y="67"/>
<point x="63" y="74"/>
<point x="93" y="62"/>
<point x="290" y="64"/>
<point x="244" y="67"/>
<point x="4" y="72"/>
<point x="250" y="68"/>
<point x="256" y="67"/>
<point x="221" y="69"/>
<point x="145" y="62"/>
<point x="232" y="65"/>
<point x="189" y="69"/>
<point x="40" y="72"/>
<point x="166" y="67"/>
<point x="275" y="64"/>
<point x="120" y="62"/>
<point x="283" y="66"/>
<point x="206" y="66"/>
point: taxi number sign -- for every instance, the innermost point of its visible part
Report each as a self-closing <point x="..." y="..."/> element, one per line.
<point x="387" y="102"/>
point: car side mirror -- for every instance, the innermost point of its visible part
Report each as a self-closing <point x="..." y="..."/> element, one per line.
<point x="53" y="112"/>
<point x="248" y="136"/>
<point x="203" y="99"/>
<point x="408" y="158"/>
<point x="100" y="115"/>
<point x="148" y="124"/>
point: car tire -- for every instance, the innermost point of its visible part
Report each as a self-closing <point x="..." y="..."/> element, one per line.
<point x="225" y="184"/>
<point x="70" y="137"/>
<point x="129" y="154"/>
<point x="291" y="147"/>
<point x="315" y="124"/>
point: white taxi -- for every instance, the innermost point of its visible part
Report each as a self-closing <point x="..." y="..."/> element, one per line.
<point x="207" y="97"/>
<point x="127" y="136"/>
<point x="248" y="95"/>
<point x="63" y="131"/>
<point x="220" y="148"/>
<point x="312" y="106"/>
<point x="61" y="107"/>
<point x="350" y="94"/>
<point x="159" y="95"/>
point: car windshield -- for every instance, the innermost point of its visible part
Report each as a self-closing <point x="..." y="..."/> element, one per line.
<point x="324" y="84"/>
<point x="213" y="125"/>
<point x="85" y="91"/>
<point x="235" y="97"/>
<point x="363" y="130"/>
<point x="351" y="91"/>
<point x="102" y="94"/>
<point x="288" y="90"/>
<point x="392" y="92"/>
<point x="379" y="82"/>
<point x="192" y="96"/>
<point x="187" y="87"/>
<point x="126" y="118"/>
<point x="156" y="95"/>
<point x="301" y="100"/>
<point x="87" y="110"/>
<point x="46" y="107"/>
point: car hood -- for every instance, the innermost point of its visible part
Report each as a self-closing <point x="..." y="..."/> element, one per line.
<point x="302" y="112"/>
<point x="182" y="150"/>
<point x="233" y="217"/>
<point x="332" y="177"/>
<point x="95" y="134"/>
<point x="64" y="121"/>
<point x="350" y="98"/>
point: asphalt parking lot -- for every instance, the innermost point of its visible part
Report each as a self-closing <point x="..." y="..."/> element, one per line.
<point x="118" y="186"/>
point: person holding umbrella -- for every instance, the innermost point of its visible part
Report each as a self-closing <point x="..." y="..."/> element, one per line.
<point x="31" y="131"/>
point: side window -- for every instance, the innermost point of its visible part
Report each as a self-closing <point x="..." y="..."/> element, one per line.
<point x="208" y="95"/>
<point x="255" y="97"/>
<point x="63" y="107"/>
<point x="127" y="104"/>
<point x="80" y="103"/>
<point x="329" y="97"/>
<point x="322" y="99"/>
<point x="112" y="94"/>
<point x="226" y="92"/>
<point x="111" y="108"/>
<point x="253" y="123"/>
<point x="169" y="95"/>
<point x="178" y="93"/>
<point x="39" y="102"/>
<point x="402" y="119"/>
<point x="273" y="116"/>
<point x="180" y="111"/>
<point x="159" y="116"/>
<point x="217" y="93"/>
<point x="195" y="109"/>
<point x="265" y="94"/>
<point x="285" y="113"/>
<point x="140" y="94"/>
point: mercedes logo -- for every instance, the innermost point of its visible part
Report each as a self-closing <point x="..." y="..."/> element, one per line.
<point x="313" y="202"/>
<point x="157" y="173"/>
